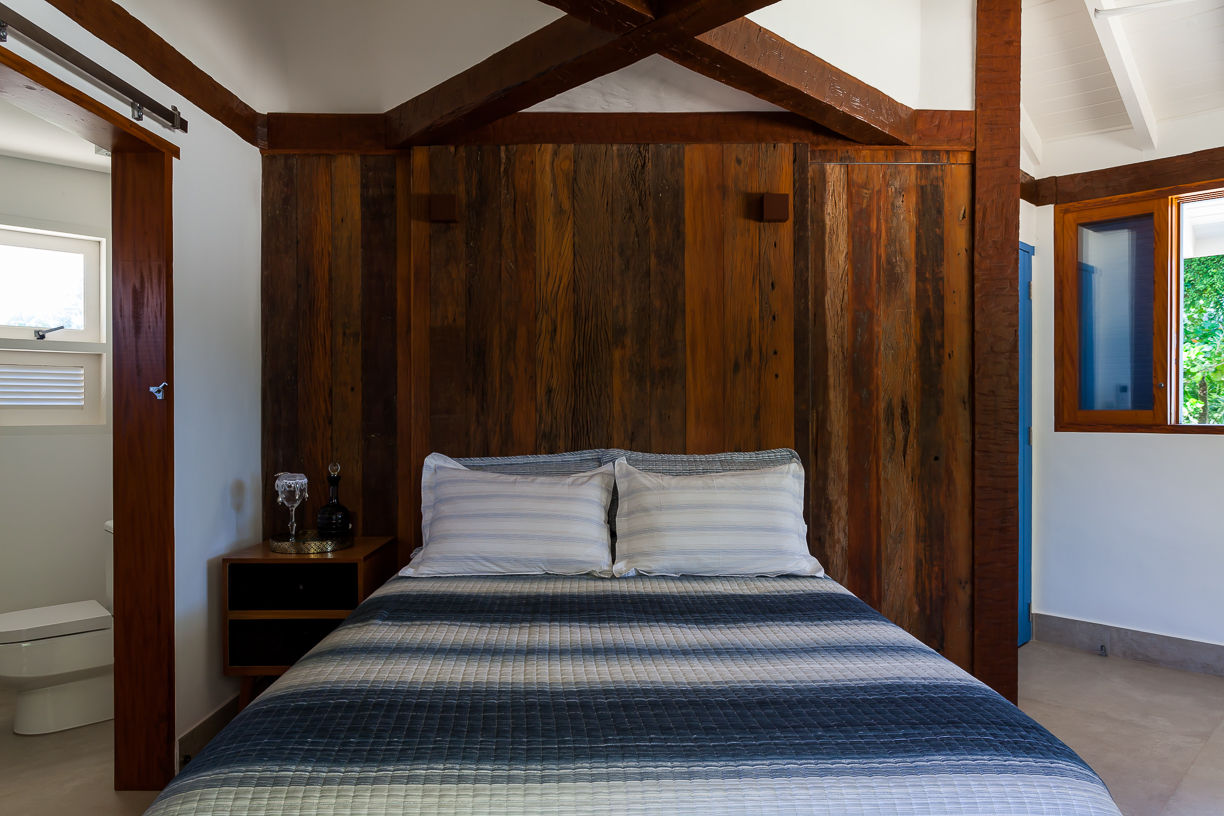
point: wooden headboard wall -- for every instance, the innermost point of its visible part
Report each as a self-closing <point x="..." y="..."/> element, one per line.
<point x="630" y="296"/>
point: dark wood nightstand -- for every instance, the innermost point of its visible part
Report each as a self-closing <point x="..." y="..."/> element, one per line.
<point x="277" y="606"/>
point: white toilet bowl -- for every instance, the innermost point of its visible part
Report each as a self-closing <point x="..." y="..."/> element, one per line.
<point x="60" y="661"/>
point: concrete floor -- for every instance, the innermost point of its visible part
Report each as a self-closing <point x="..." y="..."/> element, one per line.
<point x="69" y="772"/>
<point x="1156" y="736"/>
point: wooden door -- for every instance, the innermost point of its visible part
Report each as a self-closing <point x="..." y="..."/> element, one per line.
<point x="143" y="470"/>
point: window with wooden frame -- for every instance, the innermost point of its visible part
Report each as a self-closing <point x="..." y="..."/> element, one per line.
<point x="1139" y="312"/>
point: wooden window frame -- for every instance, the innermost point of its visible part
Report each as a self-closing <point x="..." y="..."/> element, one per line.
<point x="1166" y="319"/>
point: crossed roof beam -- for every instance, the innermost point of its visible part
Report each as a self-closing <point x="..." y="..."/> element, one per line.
<point x="597" y="37"/>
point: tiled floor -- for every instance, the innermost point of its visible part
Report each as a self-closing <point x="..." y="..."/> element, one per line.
<point x="1156" y="736"/>
<point x="67" y="773"/>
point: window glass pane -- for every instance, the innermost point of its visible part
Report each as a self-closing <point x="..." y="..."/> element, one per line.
<point x="1202" y="329"/>
<point x="1117" y="287"/>
<point x="41" y="288"/>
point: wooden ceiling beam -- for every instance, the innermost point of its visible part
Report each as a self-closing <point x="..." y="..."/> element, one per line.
<point x="753" y="59"/>
<point x="113" y="25"/>
<point x="563" y="55"/>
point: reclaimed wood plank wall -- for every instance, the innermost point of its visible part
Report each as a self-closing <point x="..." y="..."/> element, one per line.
<point x="602" y="296"/>
<point x="329" y="333"/>
<point x="629" y="296"/>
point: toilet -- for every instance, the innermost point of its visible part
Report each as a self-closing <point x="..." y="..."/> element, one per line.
<point x="60" y="660"/>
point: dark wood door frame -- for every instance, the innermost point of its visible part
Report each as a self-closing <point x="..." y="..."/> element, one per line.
<point x="141" y="257"/>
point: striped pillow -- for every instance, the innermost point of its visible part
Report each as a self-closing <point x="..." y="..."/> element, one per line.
<point x="484" y="523"/>
<point x="746" y="522"/>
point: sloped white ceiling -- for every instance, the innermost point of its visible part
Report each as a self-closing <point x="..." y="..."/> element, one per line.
<point x="1073" y="98"/>
<point x="337" y="56"/>
<point x="25" y="136"/>
<point x="655" y="85"/>
<point x="349" y="56"/>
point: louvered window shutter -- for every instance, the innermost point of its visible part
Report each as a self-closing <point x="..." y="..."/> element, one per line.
<point x="37" y="386"/>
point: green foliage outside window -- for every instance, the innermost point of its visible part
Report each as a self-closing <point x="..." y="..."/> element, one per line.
<point x="1203" y="340"/>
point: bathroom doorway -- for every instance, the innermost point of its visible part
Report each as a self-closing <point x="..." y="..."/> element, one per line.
<point x="143" y="447"/>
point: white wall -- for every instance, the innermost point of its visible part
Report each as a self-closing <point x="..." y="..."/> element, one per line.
<point x="55" y="483"/>
<point x="216" y="358"/>
<point x="1125" y="526"/>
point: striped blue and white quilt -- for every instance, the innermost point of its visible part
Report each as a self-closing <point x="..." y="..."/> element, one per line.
<point x="576" y="695"/>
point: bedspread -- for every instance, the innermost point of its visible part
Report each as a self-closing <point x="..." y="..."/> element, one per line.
<point x="573" y="695"/>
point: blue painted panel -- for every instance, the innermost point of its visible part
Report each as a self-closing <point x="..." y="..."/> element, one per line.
<point x="1026" y="448"/>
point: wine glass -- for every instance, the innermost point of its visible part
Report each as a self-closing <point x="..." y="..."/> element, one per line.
<point x="291" y="491"/>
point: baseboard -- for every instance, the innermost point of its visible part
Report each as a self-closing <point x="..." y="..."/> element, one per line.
<point x="192" y="742"/>
<point x="1132" y="644"/>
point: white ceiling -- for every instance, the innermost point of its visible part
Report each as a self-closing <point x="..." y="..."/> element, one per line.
<point x="25" y="136"/>
<point x="362" y="56"/>
<point x="1176" y="56"/>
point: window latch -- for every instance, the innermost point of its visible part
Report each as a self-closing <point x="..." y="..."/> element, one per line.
<point x="41" y="334"/>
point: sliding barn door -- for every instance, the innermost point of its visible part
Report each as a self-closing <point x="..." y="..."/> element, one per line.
<point x="891" y="400"/>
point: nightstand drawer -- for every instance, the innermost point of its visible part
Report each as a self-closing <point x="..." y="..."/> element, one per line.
<point x="293" y="586"/>
<point x="275" y="642"/>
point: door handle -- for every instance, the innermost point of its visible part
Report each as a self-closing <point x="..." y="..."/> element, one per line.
<point x="159" y="391"/>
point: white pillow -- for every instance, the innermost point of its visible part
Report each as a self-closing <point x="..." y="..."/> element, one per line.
<point x="746" y="522"/>
<point x="480" y="523"/>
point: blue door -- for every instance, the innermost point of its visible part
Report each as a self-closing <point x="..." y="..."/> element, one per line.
<point x="1026" y="444"/>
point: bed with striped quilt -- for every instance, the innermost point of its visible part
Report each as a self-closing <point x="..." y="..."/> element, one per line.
<point x="576" y="695"/>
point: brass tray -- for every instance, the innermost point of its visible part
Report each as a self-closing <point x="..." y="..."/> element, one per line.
<point x="308" y="543"/>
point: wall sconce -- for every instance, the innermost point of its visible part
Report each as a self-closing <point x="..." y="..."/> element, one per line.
<point x="443" y="208"/>
<point x="775" y="207"/>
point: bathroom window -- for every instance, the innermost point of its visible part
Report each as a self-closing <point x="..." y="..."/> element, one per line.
<point x="54" y="352"/>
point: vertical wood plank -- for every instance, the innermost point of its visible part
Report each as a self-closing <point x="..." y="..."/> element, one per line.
<point x="630" y="420"/>
<point x="803" y="318"/>
<point x="930" y="450"/>
<point x="594" y="285"/>
<point x="555" y="282"/>
<point x="481" y="224"/>
<point x="742" y="304"/>
<point x="667" y="298"/>
<point x="897" y="398"/>
<point x="704" y="287"/>
<point x="346" y="300"/>
<point x="863" y="449"/>
<point x="413" y="318"/>
<point x="448" y="382"/>
<point x="379" y="298"/>
<point x="315" y="331"/>
<point x="957" y="556"/>
<point x="280" y="403"/>
<point x="777" y="300"/>
<point x="519" y="298"/>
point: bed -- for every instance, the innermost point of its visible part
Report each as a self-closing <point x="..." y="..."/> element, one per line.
<point x="584" y="695"/>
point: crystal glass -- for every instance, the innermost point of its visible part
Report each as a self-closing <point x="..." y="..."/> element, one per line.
<point x="291" y="491"/>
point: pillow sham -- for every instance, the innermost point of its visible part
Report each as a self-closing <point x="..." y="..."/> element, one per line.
<point x="485" y="523"/>
<point x="691" y="464"/>
<point x="539" y="464"/>
<point x="746" y="522"/>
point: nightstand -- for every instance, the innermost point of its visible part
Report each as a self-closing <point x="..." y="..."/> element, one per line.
<point x="278" y="606"/>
